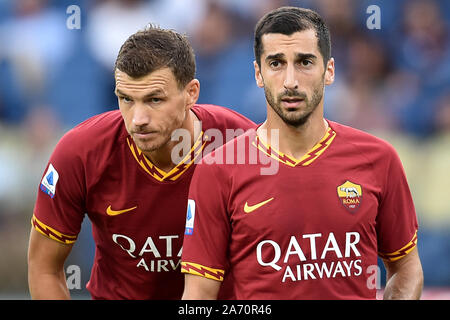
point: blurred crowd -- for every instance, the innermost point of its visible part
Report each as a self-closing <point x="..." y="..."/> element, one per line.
<point x="393" y="82"/>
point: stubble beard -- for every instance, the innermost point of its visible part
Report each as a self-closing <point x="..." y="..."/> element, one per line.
<point x="295" y="118"/>
<point x="162" y="140"/>
<point x="147" y="146"/>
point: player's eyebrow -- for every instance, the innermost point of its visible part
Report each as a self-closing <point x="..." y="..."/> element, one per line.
<point x="148" y="95"/>
<point x="299" y="56"/>
<point x="275" y="56"/>
<point x="156" y="92"/>
<point x="303" y="56"/>
<point x="120" y="93"/>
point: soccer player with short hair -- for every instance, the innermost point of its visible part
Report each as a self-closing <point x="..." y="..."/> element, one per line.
<point x="335" y="199"/>
<point x="120" y="168"/>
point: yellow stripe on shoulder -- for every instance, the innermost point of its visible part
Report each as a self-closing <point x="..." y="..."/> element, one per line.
<point x="51" y="233"/>
<point x="199" y="270"/>
<point x="396" y="255"/>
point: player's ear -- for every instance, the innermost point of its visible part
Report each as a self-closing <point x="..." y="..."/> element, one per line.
<point x="258" y="75"/>
<point x="329" y="72"/>
<point x="192" y="91"/>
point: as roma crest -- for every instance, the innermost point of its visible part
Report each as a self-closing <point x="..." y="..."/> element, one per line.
<point x="350" y="195"/>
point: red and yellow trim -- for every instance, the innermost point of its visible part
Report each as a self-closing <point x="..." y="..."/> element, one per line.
<point x="401" y="252"/>
<point x="307" y="159"/>
<point x="51" y="233"/>
<point x="199" y="270"/>
<point x="177" y="171"/>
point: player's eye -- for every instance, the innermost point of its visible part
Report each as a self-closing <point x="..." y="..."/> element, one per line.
<point x="125" y="99"/>
<point x="306" y="63"/>
<point x="154" y="100"/>
<point x="275" y="64"/>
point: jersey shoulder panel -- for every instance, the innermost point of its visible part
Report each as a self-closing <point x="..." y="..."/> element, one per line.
<point x="221" y="118"/>
<point x="96" y="131"/>
<point x="92" y="141"/>
<point x="232" y="152"/>
<point x="361" y="139"/>
<point x="375" y="150"/>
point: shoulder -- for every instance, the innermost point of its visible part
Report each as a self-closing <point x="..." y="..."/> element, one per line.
<point x="231" y="154"/>
<point x="99" y="126"/>
<point x="97" y="131"/>
<point x="362" y="142"/>
<point x="211" y="110"/>
<point x="213" y="116"/>
<point x="96" y="139"/>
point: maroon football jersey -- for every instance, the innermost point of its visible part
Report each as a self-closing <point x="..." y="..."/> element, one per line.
<point x="308" y="228"/>
<point x="137" y="210"/>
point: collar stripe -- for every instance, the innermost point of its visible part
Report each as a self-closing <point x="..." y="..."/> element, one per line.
<point x="177" y="171"/>
<point x="306" y="160"/>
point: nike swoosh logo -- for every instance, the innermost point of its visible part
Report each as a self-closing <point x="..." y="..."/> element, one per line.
<point x="248" y="209"/>
<point x="111" y="212"/>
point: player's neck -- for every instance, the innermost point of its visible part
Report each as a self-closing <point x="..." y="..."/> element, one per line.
<point x="294" y="141"/>
<point x="162" y="158"/>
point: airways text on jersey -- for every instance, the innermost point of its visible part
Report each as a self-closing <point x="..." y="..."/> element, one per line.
<point x="321" y="261"/>
<point x="156" y="254"/>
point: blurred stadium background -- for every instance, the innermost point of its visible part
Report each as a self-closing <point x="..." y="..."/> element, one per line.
<point x="393" y="82"/>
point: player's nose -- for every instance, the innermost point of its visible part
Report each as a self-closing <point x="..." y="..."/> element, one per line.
<point x="141" y="115"/>
<point x="290" y="79"/>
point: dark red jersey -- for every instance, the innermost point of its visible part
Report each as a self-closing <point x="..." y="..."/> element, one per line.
<point x="309" y="228"/>
<point x="137" y="210"/>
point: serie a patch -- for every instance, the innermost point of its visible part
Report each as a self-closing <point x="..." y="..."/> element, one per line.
<point x="48" y="183"/>
<point x="190" y="216"/>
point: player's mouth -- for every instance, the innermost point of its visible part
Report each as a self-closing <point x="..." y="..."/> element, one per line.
<point x="142" y="135"/>
<point x="291" y="102"/>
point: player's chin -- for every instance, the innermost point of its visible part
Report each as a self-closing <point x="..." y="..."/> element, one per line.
<point x="148" y="144"/>
<point x="296" y="118"/>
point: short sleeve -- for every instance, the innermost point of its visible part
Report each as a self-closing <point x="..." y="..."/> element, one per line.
<point x="59" y="208"/>
<point x="207" y="225"/>
<point x="396" y="220"/>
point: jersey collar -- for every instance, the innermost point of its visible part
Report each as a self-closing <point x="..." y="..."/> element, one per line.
<point x="177" y="171"/>
<point x="306" y="160"/>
